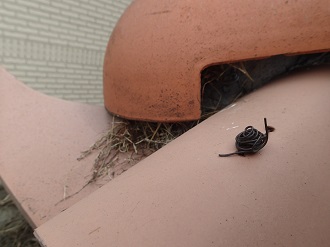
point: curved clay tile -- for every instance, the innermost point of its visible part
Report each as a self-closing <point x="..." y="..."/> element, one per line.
<point x="158" y="49"/>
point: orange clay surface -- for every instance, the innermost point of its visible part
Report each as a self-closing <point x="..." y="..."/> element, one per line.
<point x="158" y="49"/>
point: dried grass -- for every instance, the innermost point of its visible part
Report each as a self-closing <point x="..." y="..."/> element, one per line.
<point x="135" y="137"/>
<point x="15" y="231"/>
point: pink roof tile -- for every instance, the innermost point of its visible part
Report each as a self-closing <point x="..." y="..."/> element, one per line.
<point x="185" y="195"/>
<point x="40" y="139"/>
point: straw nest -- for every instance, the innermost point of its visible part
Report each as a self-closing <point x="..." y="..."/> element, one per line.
<point x="140" y="139"/>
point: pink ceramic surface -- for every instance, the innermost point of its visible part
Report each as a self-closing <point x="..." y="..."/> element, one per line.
<point x="158" y="49"/>
<point x="185" y="195"/>
<point x="40" y="140"/>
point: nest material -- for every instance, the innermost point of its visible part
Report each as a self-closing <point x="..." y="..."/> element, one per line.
<point x="224" y="83"/>
<point x="135" y="137"/>
<point x="14" y="230"/>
